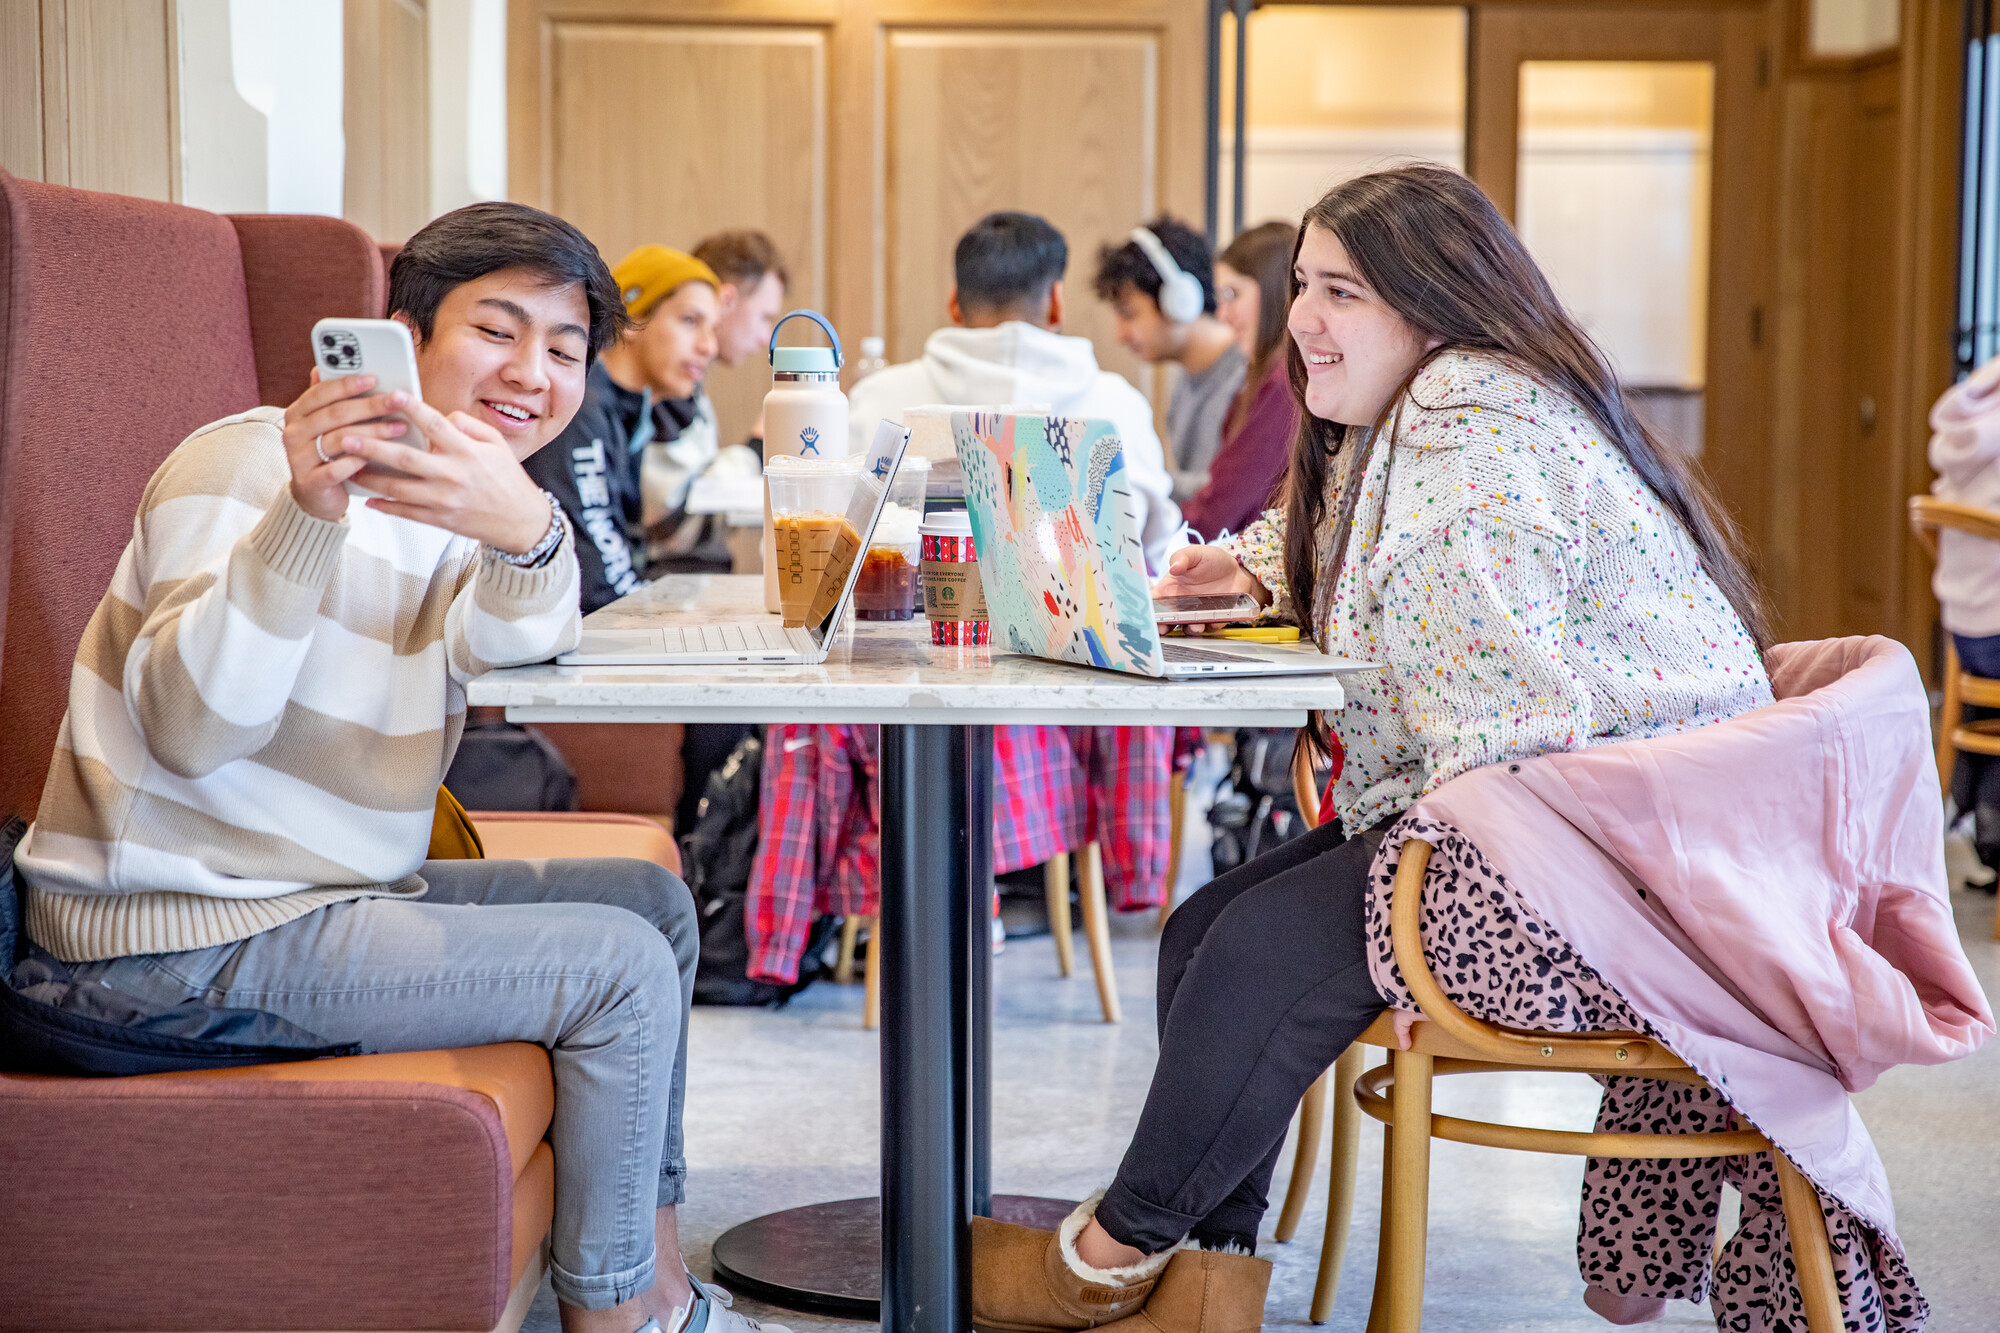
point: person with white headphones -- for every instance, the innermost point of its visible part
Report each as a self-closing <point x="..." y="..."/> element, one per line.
<point x="1161" y="284"/>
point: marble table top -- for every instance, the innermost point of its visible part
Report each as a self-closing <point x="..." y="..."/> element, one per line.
<point x="880" y="671"/>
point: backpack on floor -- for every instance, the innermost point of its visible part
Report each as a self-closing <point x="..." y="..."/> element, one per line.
<point x="716" y="859"/>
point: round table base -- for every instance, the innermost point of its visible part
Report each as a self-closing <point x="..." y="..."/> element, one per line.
<point x="826" y="1258"/>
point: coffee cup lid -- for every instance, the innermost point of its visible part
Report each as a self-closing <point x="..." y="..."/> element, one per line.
<point x="950" y="523"/>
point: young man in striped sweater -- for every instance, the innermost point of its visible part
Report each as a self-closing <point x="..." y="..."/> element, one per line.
<point x="261" y="709"/>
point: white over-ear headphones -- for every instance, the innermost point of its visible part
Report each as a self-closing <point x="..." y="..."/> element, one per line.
<point x="1180" y="291"/>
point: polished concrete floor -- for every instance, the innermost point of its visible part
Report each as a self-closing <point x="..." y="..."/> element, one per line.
<point x="782" y="1110"/>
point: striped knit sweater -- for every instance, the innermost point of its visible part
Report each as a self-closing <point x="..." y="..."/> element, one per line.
<point x="263" y="705"/>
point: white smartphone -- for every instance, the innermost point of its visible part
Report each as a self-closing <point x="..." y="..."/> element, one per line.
<point x="1210" y="610"/>
<point x="378" y="347"/>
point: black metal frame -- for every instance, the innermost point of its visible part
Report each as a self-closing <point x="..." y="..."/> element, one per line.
<point x="1212" y="155"/>
<point x="1977" y="336"/>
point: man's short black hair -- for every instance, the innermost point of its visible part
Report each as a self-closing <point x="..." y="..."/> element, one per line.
<point x="1121" y="266"/>
<point x="1008" y="259"/>
<point x="469" y="243"/>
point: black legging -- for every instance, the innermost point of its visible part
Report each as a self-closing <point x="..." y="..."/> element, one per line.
<point x="1263" y="983"/>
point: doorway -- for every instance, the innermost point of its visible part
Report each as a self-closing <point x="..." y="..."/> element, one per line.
<point x="1627" y="142"/>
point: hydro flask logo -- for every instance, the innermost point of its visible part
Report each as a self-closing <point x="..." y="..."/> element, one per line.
<point x="809" y="437"/>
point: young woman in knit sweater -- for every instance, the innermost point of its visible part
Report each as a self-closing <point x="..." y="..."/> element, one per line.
<point x="1470" y="503"/>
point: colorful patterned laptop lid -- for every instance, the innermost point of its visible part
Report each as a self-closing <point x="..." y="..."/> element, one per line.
<point x="1059" y="555"/>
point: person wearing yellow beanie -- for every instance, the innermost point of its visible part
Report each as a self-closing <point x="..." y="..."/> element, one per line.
<point x="673" y="301"/>
<point x="594" y="466"/>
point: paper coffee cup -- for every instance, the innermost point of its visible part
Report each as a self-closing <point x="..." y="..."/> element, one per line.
<point x="954" y="600"/>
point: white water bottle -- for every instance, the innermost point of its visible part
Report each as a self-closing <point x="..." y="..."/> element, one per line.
<point x="805" y="414"/>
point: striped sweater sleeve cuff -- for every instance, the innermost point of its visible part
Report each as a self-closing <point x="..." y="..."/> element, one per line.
<point x="512" y="591"/>
<point x="296" y="546"/>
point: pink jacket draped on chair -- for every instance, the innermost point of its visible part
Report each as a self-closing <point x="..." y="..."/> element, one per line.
<point x="1769" y="892"/>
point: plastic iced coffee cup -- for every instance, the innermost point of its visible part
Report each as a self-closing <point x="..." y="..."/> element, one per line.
<point x="887" y="588"/>
<point x="954" y="601"/>
<point x="813" y="539"/>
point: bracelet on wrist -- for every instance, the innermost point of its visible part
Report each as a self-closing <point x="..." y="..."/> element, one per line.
<point x="538" y="554"/>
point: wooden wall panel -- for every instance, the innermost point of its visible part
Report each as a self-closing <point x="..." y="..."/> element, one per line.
<point x="668" y="119"/>
<point x="387" y="117"/>
<point x="21" y="87"/>
<point x="973" y="122"/>
<point x="109" y="118"/>
<point x="729" y="129"/>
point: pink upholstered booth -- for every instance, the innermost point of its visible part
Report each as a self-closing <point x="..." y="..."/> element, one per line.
<point x="383" y="1192"/>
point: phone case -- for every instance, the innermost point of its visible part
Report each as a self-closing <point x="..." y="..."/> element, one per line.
<point x="379" y="347"/>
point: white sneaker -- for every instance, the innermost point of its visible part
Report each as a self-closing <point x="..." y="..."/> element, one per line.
<point x="714" y="1312"/>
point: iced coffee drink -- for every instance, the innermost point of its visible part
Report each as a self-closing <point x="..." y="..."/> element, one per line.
<point x="887" y="589"/>
<point x="815" y="553"/>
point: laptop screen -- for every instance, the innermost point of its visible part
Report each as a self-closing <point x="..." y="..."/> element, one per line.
<point x="1059" y="554"/>
<point x="864" y="511"/>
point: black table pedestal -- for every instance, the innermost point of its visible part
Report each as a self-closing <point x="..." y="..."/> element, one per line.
<point x="937" y="1014"/>
<point x="826" y="1258"/>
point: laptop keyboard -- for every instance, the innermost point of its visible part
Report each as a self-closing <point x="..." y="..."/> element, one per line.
<point x="749" y="637"/>
<point x="1173" y="651"/>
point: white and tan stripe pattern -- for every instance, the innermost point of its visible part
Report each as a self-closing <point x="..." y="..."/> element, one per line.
<point x="263" y="705"/>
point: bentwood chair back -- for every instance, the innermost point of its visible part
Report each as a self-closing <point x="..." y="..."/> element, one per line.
<point x="1451" y="1041"/>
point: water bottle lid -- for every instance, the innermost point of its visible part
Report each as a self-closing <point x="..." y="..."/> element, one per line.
<point x="806" y="360"/>
<point x="803" y="360"/>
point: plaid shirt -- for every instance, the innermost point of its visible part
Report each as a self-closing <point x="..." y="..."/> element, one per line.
<point x="1054" y="790"/>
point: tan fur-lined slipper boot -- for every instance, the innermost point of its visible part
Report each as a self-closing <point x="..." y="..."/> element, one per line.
<point x="1203" y="1291"/>
<point x="1029" y="1281"/>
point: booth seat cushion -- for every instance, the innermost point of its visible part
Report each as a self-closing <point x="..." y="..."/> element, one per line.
<point x="379" y="1192"/>
<point x="533" y="835"/>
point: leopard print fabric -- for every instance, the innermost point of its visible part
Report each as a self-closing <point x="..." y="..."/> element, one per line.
<point x="1647" y="1227"/>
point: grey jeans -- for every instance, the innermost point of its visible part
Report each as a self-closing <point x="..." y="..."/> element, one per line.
<point x="591" y="959"/>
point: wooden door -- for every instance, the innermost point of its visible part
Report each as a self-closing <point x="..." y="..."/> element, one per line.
<point x="1740" y="291"/>
<point x="863" y="135"/>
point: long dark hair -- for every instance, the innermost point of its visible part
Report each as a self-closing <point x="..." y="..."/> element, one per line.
<point x="1264" y="255"/>
<point x="1433" y="247"/>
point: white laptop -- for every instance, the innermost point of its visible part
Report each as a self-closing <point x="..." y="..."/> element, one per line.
<point x="756" y="642"/>
<point x="1059" y="554"/>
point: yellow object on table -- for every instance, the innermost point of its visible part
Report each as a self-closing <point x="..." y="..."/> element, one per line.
<point x="1258" y="634"/>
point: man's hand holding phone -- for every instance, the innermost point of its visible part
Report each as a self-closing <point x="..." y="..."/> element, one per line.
<point x="469" y="482"/>
<point x="330" y="411"/>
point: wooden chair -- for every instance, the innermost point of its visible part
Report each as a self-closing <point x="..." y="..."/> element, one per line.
<point x="1338" y="1082"/>
<point x="1055" y="875"/>
<point x="1176" y="828"/>
<point x="1928" y="514"/>
<point x="1450" y="1041"/>
<point x="1096" y="922"/>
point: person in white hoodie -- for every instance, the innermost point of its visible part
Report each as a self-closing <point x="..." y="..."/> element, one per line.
<point x="1965" y="451"/>
<point x="1006" y="345"/>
